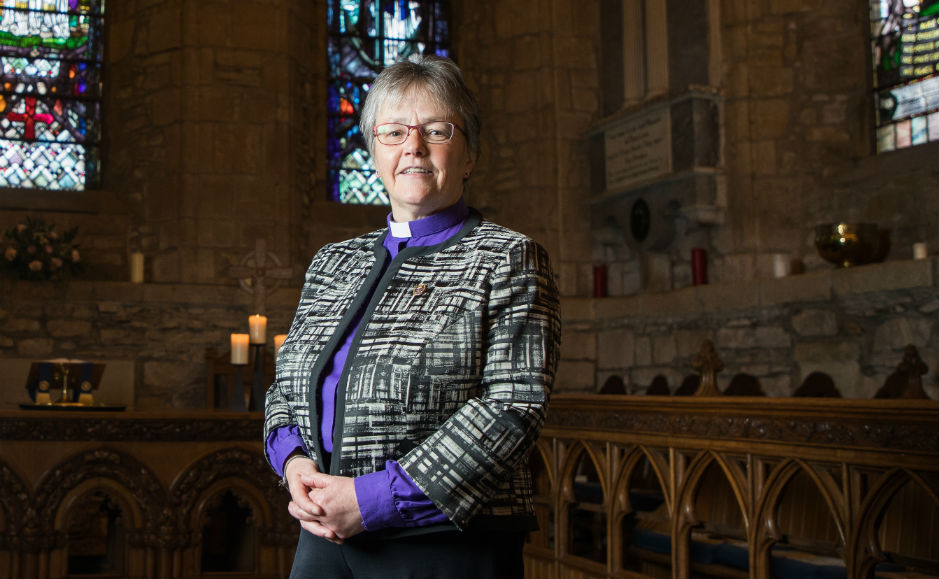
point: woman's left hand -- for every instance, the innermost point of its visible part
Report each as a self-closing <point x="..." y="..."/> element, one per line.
<point x="335" y="495"/>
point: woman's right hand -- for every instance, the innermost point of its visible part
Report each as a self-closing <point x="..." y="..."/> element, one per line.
<point x="301" y="507"/>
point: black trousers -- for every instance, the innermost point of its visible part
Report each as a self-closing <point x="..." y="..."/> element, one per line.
<point x="448" y="554"/>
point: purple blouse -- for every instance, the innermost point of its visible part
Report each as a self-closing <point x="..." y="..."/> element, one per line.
<point x="387" y="498"/>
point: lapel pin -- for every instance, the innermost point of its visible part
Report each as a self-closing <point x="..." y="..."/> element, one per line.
<point x="420" y="288"/>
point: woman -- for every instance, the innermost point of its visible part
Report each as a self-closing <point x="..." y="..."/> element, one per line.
<point x="415" y="377"/>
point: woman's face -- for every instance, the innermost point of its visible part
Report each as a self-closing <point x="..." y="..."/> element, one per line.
<point x="421" y="178"/>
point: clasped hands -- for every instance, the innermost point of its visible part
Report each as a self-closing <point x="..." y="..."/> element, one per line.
<point x="324" y="504"/>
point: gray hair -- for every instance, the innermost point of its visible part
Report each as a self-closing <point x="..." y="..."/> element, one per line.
<point x="442" y="81"/>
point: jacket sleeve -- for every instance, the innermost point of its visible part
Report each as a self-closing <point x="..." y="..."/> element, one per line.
<point x="278" y="410"/>
<point x="481" y="446"/>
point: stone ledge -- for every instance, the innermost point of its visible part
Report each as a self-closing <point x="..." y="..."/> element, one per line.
<point x="817" y="286"/>
<point x="77" y="291"/>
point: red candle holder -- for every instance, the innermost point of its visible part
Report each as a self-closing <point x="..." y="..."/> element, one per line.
<point x="699" y="266"/>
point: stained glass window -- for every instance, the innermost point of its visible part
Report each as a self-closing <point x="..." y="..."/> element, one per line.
<point x="364" y="37"/>
<point x="50" y="93"/>
<point x="905" y="45"/>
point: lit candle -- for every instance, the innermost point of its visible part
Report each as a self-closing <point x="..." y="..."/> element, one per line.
<point x="258" y="328"/>
<point x="239" y="349"/>
<point x="136" y="267"/>
<point x="278" y="342"/>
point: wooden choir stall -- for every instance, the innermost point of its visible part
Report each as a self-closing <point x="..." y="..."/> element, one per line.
<point x="715" y="485"/>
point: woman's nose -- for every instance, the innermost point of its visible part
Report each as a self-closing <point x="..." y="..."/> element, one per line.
<point x="414" y="143"/>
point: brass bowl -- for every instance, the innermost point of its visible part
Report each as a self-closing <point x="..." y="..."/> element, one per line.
<point x="847" y="244"/>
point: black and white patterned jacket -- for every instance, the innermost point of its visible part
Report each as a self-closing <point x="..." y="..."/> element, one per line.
<point x="450" y="372"/>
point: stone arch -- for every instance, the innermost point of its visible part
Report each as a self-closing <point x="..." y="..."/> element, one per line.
<point x="865" y="544"/>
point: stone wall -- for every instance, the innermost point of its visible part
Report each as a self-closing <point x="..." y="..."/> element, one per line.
<point x="152" y="336"/>
<point x="796" y="126"/>
<point x="214" y="126"/>
<point x="852" y="324"/>
<point x="533" y="65"/>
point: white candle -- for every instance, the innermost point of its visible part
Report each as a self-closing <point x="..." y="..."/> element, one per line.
<point x="258" y="328"/>
<point x="239" y="348"/>
<point x="919" y="250"/>
<point x="780" y="265"/>
<point x="136" y="267"/>
<point x="278" y="342"/>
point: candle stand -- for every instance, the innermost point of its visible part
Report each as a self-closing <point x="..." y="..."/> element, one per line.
<point x="250" y="395"/>
<point x="240" y="385"/>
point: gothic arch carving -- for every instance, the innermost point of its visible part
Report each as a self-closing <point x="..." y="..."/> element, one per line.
<point x="542" y="452"/>
<point x="132" y="509"/>
<point x="776" y="485"/>
<point x="570" y="462"/>
<point x="567" y="497"/>
<point x="865" y="545"/>
<point x="243" y="490"/>
<point x="104" y="467"/>
<point x="248" y="475"/>
<point x="766" y="530"/>
<point x="684" y="518"/>
<point x="620" y="487"/>
<point x="684" y="500"/>
<point x="14" y="503"/>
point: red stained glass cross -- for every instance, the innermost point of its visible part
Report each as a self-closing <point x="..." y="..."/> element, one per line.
<point x="30" y="118"/>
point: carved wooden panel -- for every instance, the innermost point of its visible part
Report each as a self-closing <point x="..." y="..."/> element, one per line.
<point x="737" y="487"/>
<point x="146" y="487"/>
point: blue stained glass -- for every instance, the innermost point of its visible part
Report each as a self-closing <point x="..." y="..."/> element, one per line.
<point x="364" y="37"/>
<point x="50" y="92"/>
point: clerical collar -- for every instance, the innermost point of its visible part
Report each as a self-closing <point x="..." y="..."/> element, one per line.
<point x="453" y="215"/>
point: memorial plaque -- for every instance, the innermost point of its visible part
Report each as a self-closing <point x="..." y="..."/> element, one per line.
<point x="638" y="150"/>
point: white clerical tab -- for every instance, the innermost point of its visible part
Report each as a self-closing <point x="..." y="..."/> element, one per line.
<point x="400" y="230"/>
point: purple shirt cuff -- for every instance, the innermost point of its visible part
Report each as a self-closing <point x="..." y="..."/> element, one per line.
<point x="389" y="498"/>
<point x="281" y="443"/>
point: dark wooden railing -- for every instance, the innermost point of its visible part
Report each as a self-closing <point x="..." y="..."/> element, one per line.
<point x="720" y="486"/>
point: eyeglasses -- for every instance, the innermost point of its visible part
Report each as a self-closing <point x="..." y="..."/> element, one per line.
<point x="436" y="132"/>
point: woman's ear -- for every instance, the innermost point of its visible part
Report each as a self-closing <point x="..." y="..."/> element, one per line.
<point x="468" y="167"/>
